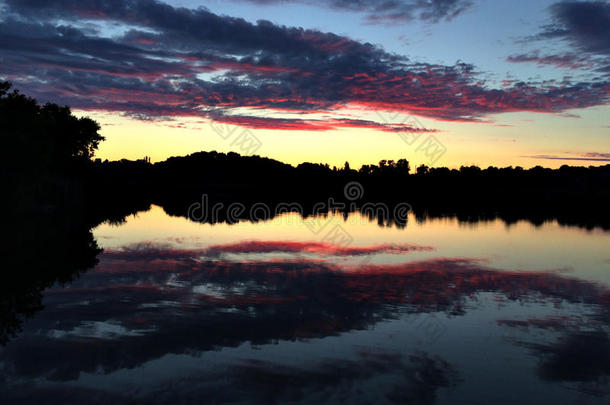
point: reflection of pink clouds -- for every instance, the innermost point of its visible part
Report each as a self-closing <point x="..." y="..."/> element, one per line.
<point x="181" y="298"/>
<point x="242" y="300"/>
<point x="167" y="255"/>
<point x="439" y="282"/>
<point x="314" y="247"/>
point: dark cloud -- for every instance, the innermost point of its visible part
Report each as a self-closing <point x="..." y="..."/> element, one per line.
<point x="585" y="26"/>
<point x="569" y="61"/>
<point x="311" y="124"/>
<point x="599" y="155"/>
<point x="390" y="11"/>
<point x="168" y="61"/>
<point x="591" y="157"/>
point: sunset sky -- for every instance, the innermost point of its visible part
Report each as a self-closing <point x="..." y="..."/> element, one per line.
<point x="438" y="82"/>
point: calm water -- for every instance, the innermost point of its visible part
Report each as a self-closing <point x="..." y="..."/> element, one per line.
<point x="323" y="311"/>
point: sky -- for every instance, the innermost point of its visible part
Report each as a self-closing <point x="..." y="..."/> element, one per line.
<point x="438" y="82"/>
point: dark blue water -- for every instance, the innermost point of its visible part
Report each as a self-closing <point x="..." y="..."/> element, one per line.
<point x="179" y="312"/>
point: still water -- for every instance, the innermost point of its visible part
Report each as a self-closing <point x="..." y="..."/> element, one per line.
<point x="323" y="310"/>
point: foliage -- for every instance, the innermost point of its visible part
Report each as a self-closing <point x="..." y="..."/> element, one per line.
<point x="45" y="136"/>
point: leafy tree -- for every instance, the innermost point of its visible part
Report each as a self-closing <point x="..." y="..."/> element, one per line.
<point x="403" y="167"/>
<point x="47" y="136"/>
<point x="422" y="169"/>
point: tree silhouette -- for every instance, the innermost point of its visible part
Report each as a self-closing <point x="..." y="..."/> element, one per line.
<point x="422" y="169"/>
<point x="47" y="136"/>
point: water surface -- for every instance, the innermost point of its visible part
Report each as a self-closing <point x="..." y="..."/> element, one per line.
<point x="323" y="310"/>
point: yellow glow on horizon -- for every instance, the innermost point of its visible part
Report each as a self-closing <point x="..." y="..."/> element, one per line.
<point x="510" y="141"/>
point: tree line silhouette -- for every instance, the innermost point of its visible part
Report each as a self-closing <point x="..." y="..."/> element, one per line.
<point x="572" y="195"/>
<point x="47" y="164"/>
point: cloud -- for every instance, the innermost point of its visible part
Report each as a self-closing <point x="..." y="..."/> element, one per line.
<point x="597" y="154"/>
<point x="168" y="61"/>
<point x="568" y="60"/>
<point x="389" y="12"/>
<point x="591" y="157"/>
<point x="255" y="122"/>
<point x="585" y="26"/>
